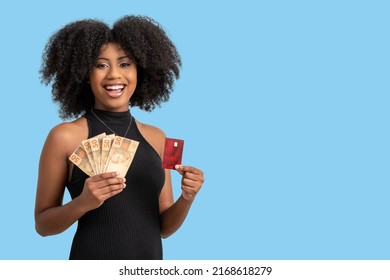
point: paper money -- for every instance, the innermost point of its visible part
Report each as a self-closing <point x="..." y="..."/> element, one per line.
<point x="79" y="157"/>
<point x="105" y="153"/>
<point x="96" y="153"/>
<point x="106" y="147"/>
<point x="121" y="155"/>
<point x="87" y="148"/>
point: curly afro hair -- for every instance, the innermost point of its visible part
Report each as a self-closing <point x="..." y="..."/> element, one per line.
<point x="72" y="51"/>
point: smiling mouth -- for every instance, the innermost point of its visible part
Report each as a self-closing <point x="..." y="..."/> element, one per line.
<point x="114" y="90"/>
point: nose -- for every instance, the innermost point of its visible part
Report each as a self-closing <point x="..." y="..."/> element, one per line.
<point x="114" y="73"/>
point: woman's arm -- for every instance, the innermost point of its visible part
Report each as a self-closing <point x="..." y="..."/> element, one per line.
<point x="172" y="215"/>
<point x="51" y="216"/>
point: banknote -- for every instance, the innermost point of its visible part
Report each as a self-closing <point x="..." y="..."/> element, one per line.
<point x="79" y="157"/>
<point x="106" y="147"/>
<point x="121" y="155"/>
<point x="95" y="153"/>
<point x="105" y="153"/>
<point x="87" y="148"/>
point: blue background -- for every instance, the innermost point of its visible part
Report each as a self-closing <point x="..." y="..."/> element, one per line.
<point x="283" y="104"/>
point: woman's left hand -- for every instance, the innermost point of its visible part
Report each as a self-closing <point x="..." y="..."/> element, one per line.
<point x="191" y="182"/>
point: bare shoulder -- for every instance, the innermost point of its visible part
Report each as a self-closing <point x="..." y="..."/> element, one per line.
<point x="68" y="135"/>
<point x="154" y="135"/>
<point x="150" y="129"/>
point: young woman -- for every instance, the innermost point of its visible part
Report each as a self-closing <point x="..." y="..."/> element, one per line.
<point x="96" y="73"/>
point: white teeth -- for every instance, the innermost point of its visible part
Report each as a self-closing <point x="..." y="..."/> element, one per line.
<point x="114" y="87"/>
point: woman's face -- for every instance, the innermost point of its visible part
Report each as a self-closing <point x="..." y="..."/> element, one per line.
<point x="113" y="79"/>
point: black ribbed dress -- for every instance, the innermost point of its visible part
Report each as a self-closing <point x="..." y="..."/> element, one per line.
<point x="127" y="225"/>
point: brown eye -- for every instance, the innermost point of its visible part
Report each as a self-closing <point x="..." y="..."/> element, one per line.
<point x="125" y="64"/>
<point x="101" y="65"/>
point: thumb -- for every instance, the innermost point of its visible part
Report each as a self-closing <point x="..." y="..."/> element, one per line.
<point x="179" y="169"/>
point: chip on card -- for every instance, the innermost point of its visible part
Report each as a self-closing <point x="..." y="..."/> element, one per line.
<point x="173" y="152"/>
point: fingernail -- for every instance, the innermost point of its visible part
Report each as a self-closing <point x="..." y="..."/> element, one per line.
<point x="177" y="167"/>
<point x="124" y="185"/>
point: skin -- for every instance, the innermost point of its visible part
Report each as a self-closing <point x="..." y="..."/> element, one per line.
<point x="113" y="67"/>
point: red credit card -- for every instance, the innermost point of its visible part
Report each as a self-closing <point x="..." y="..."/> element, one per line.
<point x="173" y="153"/>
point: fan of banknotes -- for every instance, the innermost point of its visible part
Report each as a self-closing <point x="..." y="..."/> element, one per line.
<point x="105" y="153"/>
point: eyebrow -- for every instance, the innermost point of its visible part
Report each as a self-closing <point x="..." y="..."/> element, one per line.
<point x="119" y="58"/>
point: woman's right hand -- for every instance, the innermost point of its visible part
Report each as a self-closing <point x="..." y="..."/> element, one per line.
<point x="101" y="187"/>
